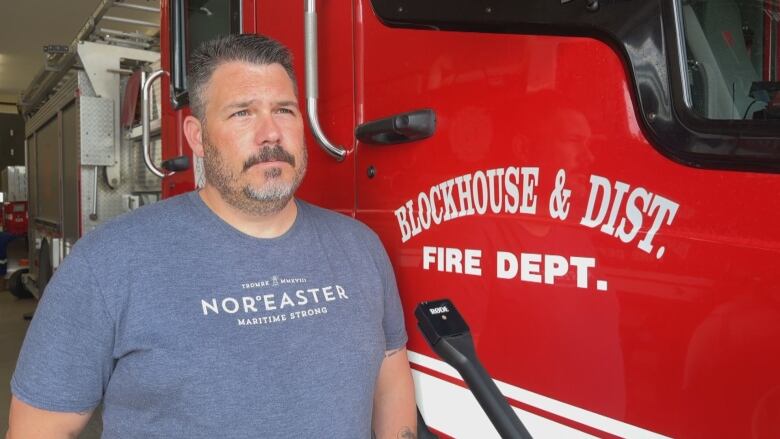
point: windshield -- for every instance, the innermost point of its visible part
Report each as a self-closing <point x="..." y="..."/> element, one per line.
<point x="732" y="58"/>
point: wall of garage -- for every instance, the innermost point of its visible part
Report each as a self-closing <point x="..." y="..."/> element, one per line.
<point x="11" y="140"/>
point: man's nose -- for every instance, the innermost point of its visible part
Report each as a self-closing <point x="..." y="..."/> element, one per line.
<point x="267" y="130"/>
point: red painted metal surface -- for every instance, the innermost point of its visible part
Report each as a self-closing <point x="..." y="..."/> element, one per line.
<point x="248" y="16"/>
<point x="15" y="217"/>
<point x="174" y="143"/>
<point x="682" y="338"/>
<point x="687" y="344"/>
<point x="327" y="183"/>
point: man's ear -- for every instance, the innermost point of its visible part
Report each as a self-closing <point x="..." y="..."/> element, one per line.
<point x="193" y="131"/>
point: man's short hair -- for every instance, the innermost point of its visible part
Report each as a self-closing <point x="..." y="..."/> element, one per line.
<point x="250" y="48"/>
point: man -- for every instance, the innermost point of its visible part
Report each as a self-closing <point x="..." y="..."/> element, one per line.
<point x="236" y="311"/>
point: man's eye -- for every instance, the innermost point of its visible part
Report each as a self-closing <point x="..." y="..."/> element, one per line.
<point x="284" y="110"/>
<point x="240" y="113"/>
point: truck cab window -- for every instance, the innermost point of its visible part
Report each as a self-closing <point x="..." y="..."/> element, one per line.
<point x="207" y="19"/>
<point x="192" y="23"/>
<point x="732" y="58"/>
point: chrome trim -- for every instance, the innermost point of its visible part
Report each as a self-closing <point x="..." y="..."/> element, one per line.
<point x="310" y="36"/>
<point x="774" y="64"/>
<point x="131" y="21"/>
<point x="136" y="7"/>
<point x="93" y="215"/>
<point x="145" y="124"/>
<point x="682" y="56"/>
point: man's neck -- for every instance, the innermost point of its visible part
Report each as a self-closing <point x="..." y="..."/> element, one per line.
<point x="271" y="225"/>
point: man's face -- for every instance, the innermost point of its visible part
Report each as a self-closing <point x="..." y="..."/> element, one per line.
<point x="253" y="147"/>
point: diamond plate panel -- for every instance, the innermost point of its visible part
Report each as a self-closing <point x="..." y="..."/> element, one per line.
<point x="135" y="180"/>
<point x="111" y="202"/>
<point x="97" y="131"/>
<point x="85" y="87"/>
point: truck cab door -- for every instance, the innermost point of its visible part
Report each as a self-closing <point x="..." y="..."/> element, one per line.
<point x="475" y="94"/>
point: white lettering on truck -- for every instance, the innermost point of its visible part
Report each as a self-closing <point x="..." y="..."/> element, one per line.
<point x="616" y="209"/>
<point x="470" y="194"/>
<point x="640" y="205"/>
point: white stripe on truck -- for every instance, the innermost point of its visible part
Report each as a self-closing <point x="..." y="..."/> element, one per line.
<point x="453" y="410"/>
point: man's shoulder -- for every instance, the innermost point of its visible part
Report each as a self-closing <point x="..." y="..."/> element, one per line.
<point x="143" y="225"/>
<point x="336" y="221"/>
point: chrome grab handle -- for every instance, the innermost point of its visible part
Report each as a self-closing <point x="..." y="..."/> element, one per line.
<point x="310" y="36"/>
<point x="145" y="123"/>
<point x="93" y="215"/>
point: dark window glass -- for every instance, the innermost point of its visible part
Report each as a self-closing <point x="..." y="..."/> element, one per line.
<point x="207" y="19"/>
<point x="192" y="23"/>
<point x="732" y="58"/>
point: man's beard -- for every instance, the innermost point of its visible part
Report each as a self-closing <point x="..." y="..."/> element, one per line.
<point x="267" y="198"/>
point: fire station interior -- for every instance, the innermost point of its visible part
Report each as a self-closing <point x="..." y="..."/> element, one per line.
<point x="58" y="184"/>
<point x="37" y="42"/>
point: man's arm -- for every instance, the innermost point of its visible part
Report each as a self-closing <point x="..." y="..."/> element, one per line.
<point x="395" y="410"/>
<point x="28" y="422"/>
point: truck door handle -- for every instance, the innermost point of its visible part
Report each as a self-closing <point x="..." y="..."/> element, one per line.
<point x="312" y="81"/>
<point x="399" y="128"/>
<point x="176" y="164"/>
<point x="146" y="87"/>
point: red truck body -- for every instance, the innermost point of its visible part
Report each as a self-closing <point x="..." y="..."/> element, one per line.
<point x="15" y="217"/>
<point x="613" y="288"/>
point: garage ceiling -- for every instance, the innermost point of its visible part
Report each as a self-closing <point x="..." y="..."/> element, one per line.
<point x="26" y="26"/>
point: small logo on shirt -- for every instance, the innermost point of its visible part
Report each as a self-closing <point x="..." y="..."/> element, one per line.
<point x="274" y="281"/>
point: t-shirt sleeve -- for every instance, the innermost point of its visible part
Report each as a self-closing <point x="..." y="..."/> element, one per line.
<point x="393" y="320"/>
<point x="66" y="358"/>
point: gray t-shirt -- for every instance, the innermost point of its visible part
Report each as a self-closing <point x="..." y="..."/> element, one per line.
<point x="185" y="327"/>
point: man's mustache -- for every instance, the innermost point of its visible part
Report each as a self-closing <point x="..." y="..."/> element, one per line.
<point x="270" y="154"/>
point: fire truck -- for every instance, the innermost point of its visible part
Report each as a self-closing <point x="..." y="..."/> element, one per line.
<point x="593" y="183"/>
<point x="83" y="134"/>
